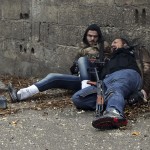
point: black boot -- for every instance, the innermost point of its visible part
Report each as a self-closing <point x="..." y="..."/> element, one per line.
<point x="109" y="120"/>
<point x="13" y="93"/>
<point x="136" y="98"/>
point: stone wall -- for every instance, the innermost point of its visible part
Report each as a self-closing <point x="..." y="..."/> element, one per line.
<point x="41" y="36"/>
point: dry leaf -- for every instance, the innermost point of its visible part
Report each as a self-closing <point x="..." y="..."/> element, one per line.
<point x="14" y="123"/>
<point x="135" y="133"/>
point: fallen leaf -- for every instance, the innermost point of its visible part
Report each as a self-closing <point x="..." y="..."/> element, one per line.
<point x="14" y="123"/>
<point x="135" y="133"/>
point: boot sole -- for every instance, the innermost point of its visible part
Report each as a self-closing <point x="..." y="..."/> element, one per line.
<point x="109" y="123"/>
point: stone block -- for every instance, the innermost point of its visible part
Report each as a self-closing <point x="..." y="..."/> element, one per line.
<point x="27" y="31"/>
<point x="22" y="68"/>
<point x="147" y="16"/>
<point x="54" y="36"/>
<point x="68" y="3"/>
<point x="36" y="52"/>
<point x="44" y="13"/>
<point x="61" y="59"/>
<point x="5" y="28"/>
<point x="25" y="9"/>
<point x="17" y="30"/>
<point x="11" y="9"/>
<point x="123" y="2"/>
<point x="39" y="69"/>
<point x="139" y="2"/>
<point x="108" y="17"/>
<point x="96" y="2"/>
<point x="36" y="31"/>
<point x="58" y="61"/>
<point x="80" y="15"/>
<point x="43" y="32"/>
<point x="16" y="50"/>
<point x="66" y="57"/>
<point x="70" y="35"/>
<point x="141" y="16"/>
<point x="129" y="17"/>
<point x="7" y="65"/>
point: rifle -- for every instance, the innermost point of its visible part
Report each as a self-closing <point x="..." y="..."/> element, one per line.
<point x="100" y="95"/>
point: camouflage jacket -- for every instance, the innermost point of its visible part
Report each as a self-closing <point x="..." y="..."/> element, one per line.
<point x="92" y="52"/>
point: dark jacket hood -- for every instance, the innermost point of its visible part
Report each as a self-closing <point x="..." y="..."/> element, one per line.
<point x="93" y="27"/>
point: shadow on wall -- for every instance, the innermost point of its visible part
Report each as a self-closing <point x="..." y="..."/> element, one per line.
<point x="24" y="50"/>
<point x="142" y="16"/>
<point x="24" y="16"/>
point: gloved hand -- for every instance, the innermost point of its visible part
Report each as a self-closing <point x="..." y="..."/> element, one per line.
<point x="74" y="68"/>
<point x="137" y="97"/>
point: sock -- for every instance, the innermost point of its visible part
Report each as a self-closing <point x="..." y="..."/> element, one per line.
<point x="84" y="84"/>
<point x="27" y="92"/>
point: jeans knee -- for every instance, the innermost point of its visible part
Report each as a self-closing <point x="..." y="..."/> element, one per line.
<point x="82" y="59"/>
<point x="52" y="76"/>
<point x="76" y="100"/>
<point x="83" y="103"/>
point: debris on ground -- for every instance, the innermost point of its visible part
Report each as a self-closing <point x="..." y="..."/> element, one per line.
<point x="53" y="98"/>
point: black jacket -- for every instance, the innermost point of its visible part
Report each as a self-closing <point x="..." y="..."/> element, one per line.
<point x="122" y="58"/>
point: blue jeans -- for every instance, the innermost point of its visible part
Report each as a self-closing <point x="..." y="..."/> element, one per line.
<point x="86" y="69"/>
<point x="118" y="86"/>
<point x="65" y="81"/>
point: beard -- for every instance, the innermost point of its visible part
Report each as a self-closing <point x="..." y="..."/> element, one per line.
<point x="92" y="43"/>
<point x="113" y="48"/>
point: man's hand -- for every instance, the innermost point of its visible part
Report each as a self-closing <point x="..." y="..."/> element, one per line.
<point x="92" y="60"/>
<point x="91" y="83"/>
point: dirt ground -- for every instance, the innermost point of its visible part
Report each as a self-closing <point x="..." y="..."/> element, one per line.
<point x="53" y="98"/>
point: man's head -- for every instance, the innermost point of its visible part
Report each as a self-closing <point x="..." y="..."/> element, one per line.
<point x="119" y="43"/>
<point x="92" y="35"/>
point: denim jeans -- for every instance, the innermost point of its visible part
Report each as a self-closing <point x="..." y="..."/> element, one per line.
<point x="66" y="81"/>
<point x="118" y="86"/>
<point x="86" y="69"/>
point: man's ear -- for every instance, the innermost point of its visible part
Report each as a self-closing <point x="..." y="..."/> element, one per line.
<point x="125" y="45"/>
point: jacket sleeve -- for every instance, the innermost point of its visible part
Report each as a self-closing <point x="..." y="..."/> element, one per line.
<point x="107" y="50"/>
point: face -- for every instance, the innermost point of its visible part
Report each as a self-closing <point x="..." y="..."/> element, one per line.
<point x="117" y="43"/>
<point x="92" y="37"/>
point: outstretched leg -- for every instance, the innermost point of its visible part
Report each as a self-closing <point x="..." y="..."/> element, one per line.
<point x="52" y="80"/>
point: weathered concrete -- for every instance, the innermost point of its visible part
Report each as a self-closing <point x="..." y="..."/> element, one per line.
<point x="69" y="129"/>
<point x="41" y="36"/>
